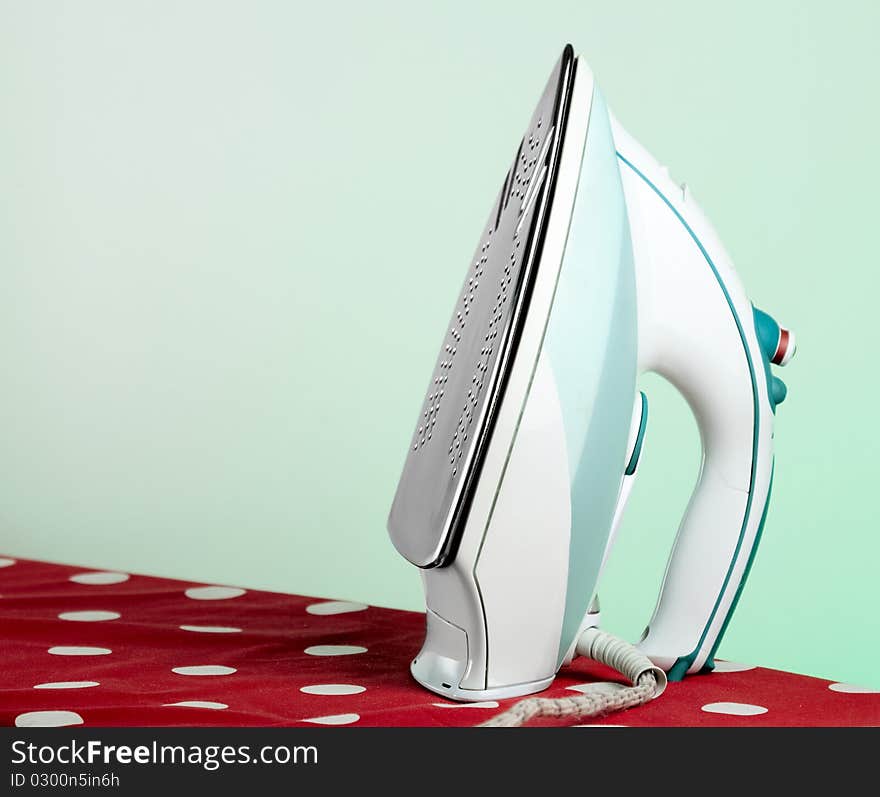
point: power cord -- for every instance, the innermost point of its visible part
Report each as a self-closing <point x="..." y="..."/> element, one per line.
<point x="648" y="681"/>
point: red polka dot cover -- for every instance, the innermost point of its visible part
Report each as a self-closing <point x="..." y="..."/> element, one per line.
<point x="96" y="648"/>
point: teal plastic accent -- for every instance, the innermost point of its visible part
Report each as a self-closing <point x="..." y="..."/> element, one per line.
<point x="678" y="670"/>
<point x="768" y="331"/>
<point x="591" y="346"/>
<point x="640" y="437"/>
<point x="768" y="337"/>
<point x="683" y="663"/>
<point x="710" y="662"/>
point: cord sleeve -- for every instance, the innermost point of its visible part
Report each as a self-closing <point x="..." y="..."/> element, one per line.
<point x="648" y="681"/>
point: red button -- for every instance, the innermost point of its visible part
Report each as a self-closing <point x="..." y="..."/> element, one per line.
<point x="786" y="347"/>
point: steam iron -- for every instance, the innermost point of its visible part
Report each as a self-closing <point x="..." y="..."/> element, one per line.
<point x="594" y="267"/>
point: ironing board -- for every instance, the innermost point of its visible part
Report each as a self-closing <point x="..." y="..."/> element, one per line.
<point x="96" y="648"/>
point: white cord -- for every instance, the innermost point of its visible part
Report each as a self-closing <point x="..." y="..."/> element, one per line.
<point x="648" y="682"/>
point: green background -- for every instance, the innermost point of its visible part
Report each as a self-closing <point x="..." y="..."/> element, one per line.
<point x="231" y="236"/>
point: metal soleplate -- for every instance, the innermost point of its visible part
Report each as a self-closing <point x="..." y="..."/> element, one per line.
<point x="456" y="419"/>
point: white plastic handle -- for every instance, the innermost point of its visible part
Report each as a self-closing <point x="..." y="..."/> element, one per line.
<point x="696" y="329"/>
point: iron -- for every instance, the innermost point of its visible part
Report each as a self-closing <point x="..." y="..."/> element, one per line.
<point x="594" y="267"/>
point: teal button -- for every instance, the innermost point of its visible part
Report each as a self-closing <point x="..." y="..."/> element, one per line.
<point x="778" y="390"/>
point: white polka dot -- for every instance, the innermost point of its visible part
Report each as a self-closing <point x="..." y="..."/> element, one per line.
<point x="211" y="629"/>
<point x="597" y="725"/>
<point x="213" y="593"/>
<point x="476" y="704"/>
<point x="335" y="607"/>
<point x="204" y="669"/>
<point x="333" y="689"/>
<point x="4" y="562"/>
<point x="88" y="617"/>
<point x="67" y="685"/>
<point x="853" y="689"/>
<point x="335" y="719"/>
<point x="100" y="578"/>
<point x="74" y="650"/>
<point x="47" y="719"/>
<point x="597" y="688"/>
<point x="334" y="650"/>
<point x="732" y="666"/>
<point x="198" y="704"/>
<point x="736" y="709"/>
